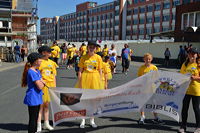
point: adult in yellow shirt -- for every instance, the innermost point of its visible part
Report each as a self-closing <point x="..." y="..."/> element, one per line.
<point x="90" y="69"/>
<point x="48" y="72"/>
<point x="55" y="53"/>
<point x="70" y="56"/>
<point x="105" y="50"/>
<point x="193" y="91"/>
<point x="146" y="68"/>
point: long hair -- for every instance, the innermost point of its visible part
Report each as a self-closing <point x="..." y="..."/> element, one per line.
<point x="24" y="75"/>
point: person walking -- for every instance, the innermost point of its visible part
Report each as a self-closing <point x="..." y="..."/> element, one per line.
<point x="193" y="92"/>
<point x="17" y="53"/>
<point x="64" y="53"/>
<point x="55" y="52"/>
<point x="32" y="78"/>
<point x="23" y="52"/>
<point x="90" y="69"/>
<point x="167" y="57"/>
<point x="125" y="58"/>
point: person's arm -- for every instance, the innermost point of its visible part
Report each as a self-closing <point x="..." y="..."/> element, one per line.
<point x="106" y="81"/>
<point x="39" y="84"/>
<point x="79" y="77"/>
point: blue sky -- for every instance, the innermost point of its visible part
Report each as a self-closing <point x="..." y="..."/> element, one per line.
<point x="50" y="8"/>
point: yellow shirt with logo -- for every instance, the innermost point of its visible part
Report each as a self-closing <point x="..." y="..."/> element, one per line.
<point x="144" y="69"/>
<point x="56" y="52"/>
<point x="194" y="87"/>
<point x="48" y="70"/>
<point x="90" y="63"/>
<point x="105" y="51"/>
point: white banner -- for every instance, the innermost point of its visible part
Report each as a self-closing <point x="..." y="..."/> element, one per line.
<point x="148" y="92"/>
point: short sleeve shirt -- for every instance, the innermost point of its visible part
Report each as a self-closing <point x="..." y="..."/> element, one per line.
<point x="144" y="69"/>
<point x="33" y="94"/>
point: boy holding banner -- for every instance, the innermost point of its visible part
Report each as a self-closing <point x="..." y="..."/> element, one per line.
<point x="146" y="68"/>
<point x="193" y="91"/>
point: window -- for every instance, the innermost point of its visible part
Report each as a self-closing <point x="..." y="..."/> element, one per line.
<point x="166" y="5"/>
<point x="129" y="12"/>
<point x="157" y="19"/>
<point x="142" y="9"/>
<point x="117" y="13"/>
<point x="157" y="7"/>
<point x="141" y="20"/>
<point x="176" y="3"/>
<point x="149" y="19"/>
<point x="135" y="11"/>
<point x="191" y="19"/>
<point x="135" y="21"/>
<point x="156" y="29"/>
<point x="166" y="17"/>
<point x="141" y="31"/>
<point x="135" y="1"/>
<point x="149" y="8"/>
<point x="129" y="22"/>
<point x="148" y="31"/>
<point x="197" y="21"/>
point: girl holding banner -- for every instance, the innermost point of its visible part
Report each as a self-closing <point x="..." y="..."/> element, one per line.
<point x="193" y="91"/>
<point x="32" y="78"/>
<point x="90" y="70"/>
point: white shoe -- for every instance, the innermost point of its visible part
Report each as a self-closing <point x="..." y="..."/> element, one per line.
<point x="47" y="126"/>
<point x="82" y="125"/>
<point x="92" y="123"/>
<point x="39" y="127"/>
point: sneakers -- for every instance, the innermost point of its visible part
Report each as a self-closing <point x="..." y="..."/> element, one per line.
<point x="39" y="127"/>
<point x="82" y="125"/>
<point x="141" y="121"/>
<point x="47" y="126"/>
<point x="197" y="130"/>
<point x="158" y="121"/>
<point x="92" y="123"/>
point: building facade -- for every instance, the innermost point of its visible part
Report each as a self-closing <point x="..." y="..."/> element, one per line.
<point x="118" y="20"/>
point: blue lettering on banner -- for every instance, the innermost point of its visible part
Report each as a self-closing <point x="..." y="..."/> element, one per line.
<point x="172" y="104"/>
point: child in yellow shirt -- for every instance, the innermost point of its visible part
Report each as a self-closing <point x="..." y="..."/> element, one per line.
<point x="48" y="72"/>
<point x="108" y="66"/>
<point x="146" y="68"/>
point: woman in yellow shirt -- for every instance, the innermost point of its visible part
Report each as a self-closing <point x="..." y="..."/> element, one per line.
<point x="70" y="55"/>
<point x="83" y="49"/>
<point x="90" y="69"/>
<point x="55" y="53"/>
<point x="144" y="69"/>
<point x="193" y="91"/>
<point x="48" y="72"/>
<point x="105" y="50"/>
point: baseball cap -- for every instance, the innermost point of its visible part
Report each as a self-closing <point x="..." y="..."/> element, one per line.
<point x="44" y="48"/>
<point x="92" y="43"/>
<point x="32" y="57"/>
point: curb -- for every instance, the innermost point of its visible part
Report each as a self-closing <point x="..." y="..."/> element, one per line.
<point x="11" y="67"/>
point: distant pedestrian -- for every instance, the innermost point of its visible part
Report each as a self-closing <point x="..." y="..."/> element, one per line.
<point x="23" y="52"/>
<point x="17" y="53"/>
<point x="55" y="54"/>
<point x="181" y="56"/>
<point x="64" y="53"/>
<point x="125" y="58"/>
<point x="112" y="50"/>
<point x="167" y="55"/>
<point x="32" y="78"/>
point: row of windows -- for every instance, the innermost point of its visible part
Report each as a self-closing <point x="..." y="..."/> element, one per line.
<point x="147" y="31"/>
<point x="101" y="9"/>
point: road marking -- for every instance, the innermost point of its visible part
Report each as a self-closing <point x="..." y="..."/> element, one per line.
<point x="10" y="89"/>
<point x="11" y="67"/>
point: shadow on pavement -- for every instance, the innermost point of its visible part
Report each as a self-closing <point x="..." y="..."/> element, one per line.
<point x="13" y="126"/>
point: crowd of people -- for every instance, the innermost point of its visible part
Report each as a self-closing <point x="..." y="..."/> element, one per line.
<point x="97" y="66"/>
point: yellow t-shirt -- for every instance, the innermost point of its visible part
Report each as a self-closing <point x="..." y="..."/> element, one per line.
<point x="108" y="67"/>
<point x="90" y="63"/>
<point x="144" y="69"/>
<point x="194" y="87"/>
<point x="98" y="49"/>
<point x="104" y="70"/>
<point x="83" y="50"/>
<point x="105" y="51"/>
<point x="70" y="53"/>
<point x="74" y="50"/>
<point x="56" y="52"/>
<point x="48" y="70"/>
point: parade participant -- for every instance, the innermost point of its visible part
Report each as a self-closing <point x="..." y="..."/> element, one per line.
<point x="64" y="53"/>
<point x="83" y="49"/>
<point x="17" y="53"/>
<point x="32" y="78"/>
<point x="105" y="50"/>
<point x="113" y="58"/>
<point x="90" y="69"/>
<point x="23" y="52"/>
<point x="112" y="50"/>
<point x="109" y="64"/>
<point x="125" y="61"/>
<point x="70" y="56"/>
<point x="55" y="52"/>
<point x="146" y="68"/>
<point x="167" y="55"/>
<point x="193" y="92"/>
<point x="98" y="49"/>
<point x="76" y="62"/>
<point x="48" y="71"/>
